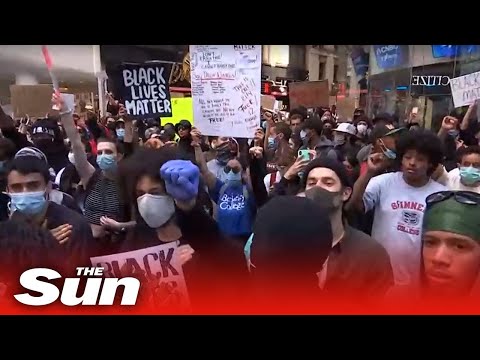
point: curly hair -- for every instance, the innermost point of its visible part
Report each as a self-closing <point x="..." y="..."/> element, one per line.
<point x="424" y="142"/>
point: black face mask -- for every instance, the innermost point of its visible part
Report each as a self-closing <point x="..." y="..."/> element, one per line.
<point x="224" y="154"/>
<point x="111" y="126"/>
<point x="328" y="200"/>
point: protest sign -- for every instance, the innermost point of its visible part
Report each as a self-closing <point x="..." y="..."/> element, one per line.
<point x="144" y="89"/>
<point x="465" y="89"/>
<point x="159" y="270"/>
<point x="310" y="94"/>
<point x="226" y="82"/>
<point x="182" y="109"/>
<point x="31" y="100"/>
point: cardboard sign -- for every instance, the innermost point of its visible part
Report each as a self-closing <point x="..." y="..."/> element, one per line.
<point x="309" y="94"/>
<point x="345" y="108"/>
<point x="268" y="102"/>
<point x="31" y="100"/>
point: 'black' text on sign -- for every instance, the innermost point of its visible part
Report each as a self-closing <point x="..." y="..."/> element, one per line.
<point x="145" y="90"/>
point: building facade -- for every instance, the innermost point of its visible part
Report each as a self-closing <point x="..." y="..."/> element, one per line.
<point x="406" y="77"/>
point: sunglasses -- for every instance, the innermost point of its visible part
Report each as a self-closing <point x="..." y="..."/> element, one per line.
<point x="227" y="169"/>
<point x="463" y="197"/>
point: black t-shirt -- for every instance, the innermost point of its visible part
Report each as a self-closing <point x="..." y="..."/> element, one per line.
<point x="217" y="267"/>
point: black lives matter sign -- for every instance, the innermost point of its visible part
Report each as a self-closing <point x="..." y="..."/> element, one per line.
<point x="144" y="89"/>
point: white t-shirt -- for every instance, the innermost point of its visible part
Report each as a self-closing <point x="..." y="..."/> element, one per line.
<point x="267" y="178"/>
<point x="452" y="181"/>
<point x="397" y="223"/>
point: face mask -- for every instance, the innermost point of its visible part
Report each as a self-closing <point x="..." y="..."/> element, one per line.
<point x="71" y="158"/>
<point x="106" y="162"/>
<point x="390" y="154"/>
<point x="469" y="175"/>
<point x="453" y="133"/>
<point x="328" y="200"/>
<point x="156" y="210"/>
<point x="223" y="154"/>
<point x="271" y="143"/>
<point x="303" y="135"/>
<point x="29" y="203"/>
<point x="231" y="177"/>
<point x="120" y="133"/>
<point x="362" y="129"/>
<point x="339" y="138"/>
<point x="111" y="126"/>
<point x="44" y="144"/>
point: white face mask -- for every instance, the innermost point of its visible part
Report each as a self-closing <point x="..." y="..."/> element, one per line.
<point x="362" y="129"/>
<point x="71" y="158"/>
<point x="156" y="210"/>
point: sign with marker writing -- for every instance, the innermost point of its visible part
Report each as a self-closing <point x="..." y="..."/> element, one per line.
<point x="226" y="81"/>
<point x="158" y="268"/>
<point x="465" y="89"/>
<point x="144" y="90"/>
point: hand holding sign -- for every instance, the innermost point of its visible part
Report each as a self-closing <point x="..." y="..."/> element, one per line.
<point x="62" y="233"/>
<point x="181" y="179"/>
<point x="185" y="253"/>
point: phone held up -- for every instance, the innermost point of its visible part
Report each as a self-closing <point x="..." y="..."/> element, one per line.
<point x="305" y="154"/>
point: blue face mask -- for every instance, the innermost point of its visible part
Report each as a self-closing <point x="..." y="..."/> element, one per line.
<point x="231" y="177"/>
<point x="271" y="143"/>
<point x="390" y="154"/>
<point x="469" y="175"/>
<point x="106" y="162"/>
<point x="120" y="133"/>
<point x="453" y="133"/>
<point x="28" y="203"/>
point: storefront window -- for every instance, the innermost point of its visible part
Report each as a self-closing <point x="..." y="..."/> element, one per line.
<point x="403" y="78"/>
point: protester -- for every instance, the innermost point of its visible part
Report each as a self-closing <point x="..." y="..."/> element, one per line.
<point x="165" y="191"/>
<point x="286" y="263"/>
<point x="451" y="245"/>
<point x="398" y="199"/>
<point x="358" y="265"/>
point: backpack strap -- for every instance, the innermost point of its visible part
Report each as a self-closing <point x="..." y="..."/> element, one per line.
<point x="59" y="177"/>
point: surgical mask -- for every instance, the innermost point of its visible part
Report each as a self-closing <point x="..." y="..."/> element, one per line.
<point x="469" y="175"/>
<point x="106" y="162"/>
<point x="390" y="154"/>
<point x="120" y="133"/>
<point x="362" y="129"/>
<point x="28" y="203"/>
<point x="233" y="178"/>
<point x="328" y="200"/>
<point x="156" y="210"/>
<point x="271" y="143"/>
<point x="71" y="158"/>
<point x="453" y="133"/>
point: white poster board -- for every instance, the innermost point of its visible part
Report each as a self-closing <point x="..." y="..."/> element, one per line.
<point x="226" y="81"/>
<point x="465" y="89"/>
<point x="157" y="267"/>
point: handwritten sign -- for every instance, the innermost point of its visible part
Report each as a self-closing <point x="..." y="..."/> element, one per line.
<point x="465" y="89"/>
<point x="226" y="83"/>
<point x="144" y="89"/>
<point x="310" y="94"/>
<point x="158" y="268"/>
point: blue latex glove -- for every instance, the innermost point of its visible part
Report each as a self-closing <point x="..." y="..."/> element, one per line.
<point x="181" y="179"/>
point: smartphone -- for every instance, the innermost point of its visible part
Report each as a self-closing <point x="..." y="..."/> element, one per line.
<point x="415" y="110"/>
<point x="305" y="154"/>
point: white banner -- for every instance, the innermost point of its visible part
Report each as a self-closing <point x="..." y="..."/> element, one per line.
<point x="226" y="83"/>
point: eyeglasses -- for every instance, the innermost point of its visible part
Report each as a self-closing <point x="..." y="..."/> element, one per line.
<point x="227" y="169"/>
<point x="463" y="197"/>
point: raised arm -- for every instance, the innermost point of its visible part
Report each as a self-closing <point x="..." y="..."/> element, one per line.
<point x="84" y="168"/>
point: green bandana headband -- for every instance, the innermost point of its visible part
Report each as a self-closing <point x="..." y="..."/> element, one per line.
<point x="451" y="216"/>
